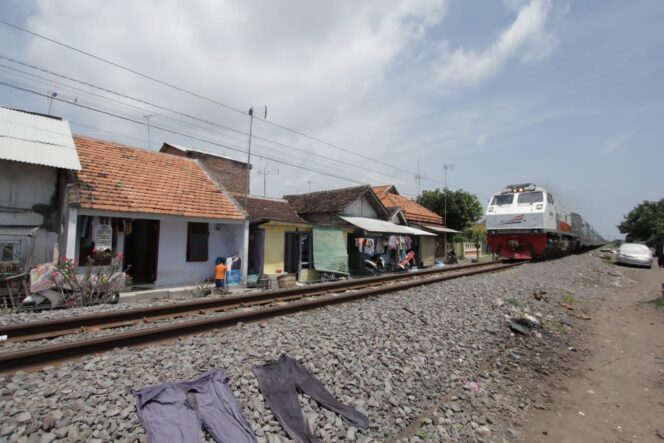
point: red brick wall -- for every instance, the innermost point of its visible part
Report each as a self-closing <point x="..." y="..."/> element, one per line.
<point x="231" y="174"/>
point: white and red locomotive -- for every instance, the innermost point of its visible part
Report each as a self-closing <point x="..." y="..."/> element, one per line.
<point x="524" y="221"/>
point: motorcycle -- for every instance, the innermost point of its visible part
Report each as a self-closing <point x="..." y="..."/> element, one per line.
<point x="452" y="258"/>
<point x="375" y="264"/>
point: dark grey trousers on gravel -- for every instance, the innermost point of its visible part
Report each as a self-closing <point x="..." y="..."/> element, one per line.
<point x="280" y="381"/>
<point x="178" y="411"/>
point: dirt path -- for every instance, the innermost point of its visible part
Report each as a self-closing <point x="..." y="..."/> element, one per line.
<point x="618" y="392"/>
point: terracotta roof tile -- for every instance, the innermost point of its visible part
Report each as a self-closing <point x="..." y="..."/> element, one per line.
<point x="125" y="179"/>
<point x="414" y="212"/>
<point x="270" y="209"/>
<point x="333" y="200"/>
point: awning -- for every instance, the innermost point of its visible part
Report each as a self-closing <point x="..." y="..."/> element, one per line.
<point x="441" y="229"/>
<point x="416" y="231"/>
<point x="383" y="227"/>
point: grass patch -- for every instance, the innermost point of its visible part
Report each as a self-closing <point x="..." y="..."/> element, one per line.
<point x="422" y="433"/>
<point x="659" y="303"/>
<point x="567" y="299"/>
<point x="513" y="302"/>
<point x="556" y="326"/>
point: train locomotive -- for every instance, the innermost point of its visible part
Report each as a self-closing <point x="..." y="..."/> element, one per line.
<point x="525" y="221"/>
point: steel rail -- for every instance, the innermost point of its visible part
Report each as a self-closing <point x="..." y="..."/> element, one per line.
<point x="57" y="327"/>
<point x="37" y="356"/>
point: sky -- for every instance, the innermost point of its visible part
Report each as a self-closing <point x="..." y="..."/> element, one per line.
<point x="565" y="94"/>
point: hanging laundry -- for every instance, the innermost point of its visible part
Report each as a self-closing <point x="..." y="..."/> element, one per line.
<point x="369" y="246"/>
<point x="380" y="246"/>
<point x="392" y="242"/>
<point x="176" y="411"/>
<point x="280" y="381"/>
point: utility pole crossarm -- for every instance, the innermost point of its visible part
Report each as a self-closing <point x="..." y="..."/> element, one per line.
<point x="265" y="172"/>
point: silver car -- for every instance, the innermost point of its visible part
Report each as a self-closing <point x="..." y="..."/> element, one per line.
<point x="634" y="254"/>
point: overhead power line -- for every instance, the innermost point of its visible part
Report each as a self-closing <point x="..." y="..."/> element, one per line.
<point x="138" y="122"/>
<point x="119" y="66"/>
<point x="197" y="95"/>
<point x="142" y="111"/>
<point x="167" y="109"/>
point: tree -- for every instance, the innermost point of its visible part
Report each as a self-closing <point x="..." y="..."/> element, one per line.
<point x="463" y="208"/>
<point x="477" y="235"/>
<point x="645" y="222"/>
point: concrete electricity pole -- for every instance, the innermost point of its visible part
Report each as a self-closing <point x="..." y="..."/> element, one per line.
<point x="147" y="117"/>
<point x="251" y="127"/>
<point x="446" y="167"/>
<point x="419" y="178"/>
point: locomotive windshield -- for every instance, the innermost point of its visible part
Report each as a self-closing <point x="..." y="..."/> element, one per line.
<point x="530" y="197"/>
<point x="503" y="199"/>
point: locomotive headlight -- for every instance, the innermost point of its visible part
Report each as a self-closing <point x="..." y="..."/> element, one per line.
<point x="490" y="208"/>
<point x="539" y="206"/>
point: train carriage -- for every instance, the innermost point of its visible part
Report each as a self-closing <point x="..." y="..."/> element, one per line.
<point x="525" y="221"/>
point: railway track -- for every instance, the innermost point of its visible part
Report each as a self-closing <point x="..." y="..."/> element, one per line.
<point x="233" y="310"/>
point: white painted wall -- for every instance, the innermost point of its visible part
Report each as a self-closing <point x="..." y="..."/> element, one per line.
<point x="172" y="266"/>
<point x="23" y="185"/>
<point x="173" y="269"/>
<point x="360" y="208"/>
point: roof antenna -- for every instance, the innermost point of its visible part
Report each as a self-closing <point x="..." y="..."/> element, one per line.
<point x="50" y="101"/>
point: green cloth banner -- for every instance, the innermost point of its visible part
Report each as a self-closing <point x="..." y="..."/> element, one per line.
<point x="330" y="251"/>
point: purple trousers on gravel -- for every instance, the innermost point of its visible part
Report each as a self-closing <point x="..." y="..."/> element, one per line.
<point x="178" y="411"/>
<point x="280" y="381"/>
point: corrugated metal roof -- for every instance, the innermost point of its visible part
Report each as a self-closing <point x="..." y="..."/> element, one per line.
<point x="441" y="229"/>
<point x="37" y="139"/>
<point x="382" y="226"/>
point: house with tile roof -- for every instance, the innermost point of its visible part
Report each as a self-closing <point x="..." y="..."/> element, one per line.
<point x="168" y="217"/>
<point x="365" y="225"/>
<point x="325" y="207"/>
<point x="413" y="211"/>
<point x="418" y="215"/>
<point x="36" y="153"/>
<point x="279" y="240"/>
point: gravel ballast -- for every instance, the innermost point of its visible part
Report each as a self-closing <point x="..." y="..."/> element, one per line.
<point x="392" y="357"/>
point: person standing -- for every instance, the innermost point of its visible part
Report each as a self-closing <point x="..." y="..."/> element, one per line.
<point x="659" y="251"/>
<point x="220" y="274"/>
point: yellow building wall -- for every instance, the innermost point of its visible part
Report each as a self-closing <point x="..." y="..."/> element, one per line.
<point x="275" y="237"/>
<point x="273" y="255"/>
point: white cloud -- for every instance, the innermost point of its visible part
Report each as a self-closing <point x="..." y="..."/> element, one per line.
<point x="614" y="144"/>
<point x="313" y="64"/>
<point x="354" y="74"/>
<point x="527" y="37"/>
<point x="291" y="55"/>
